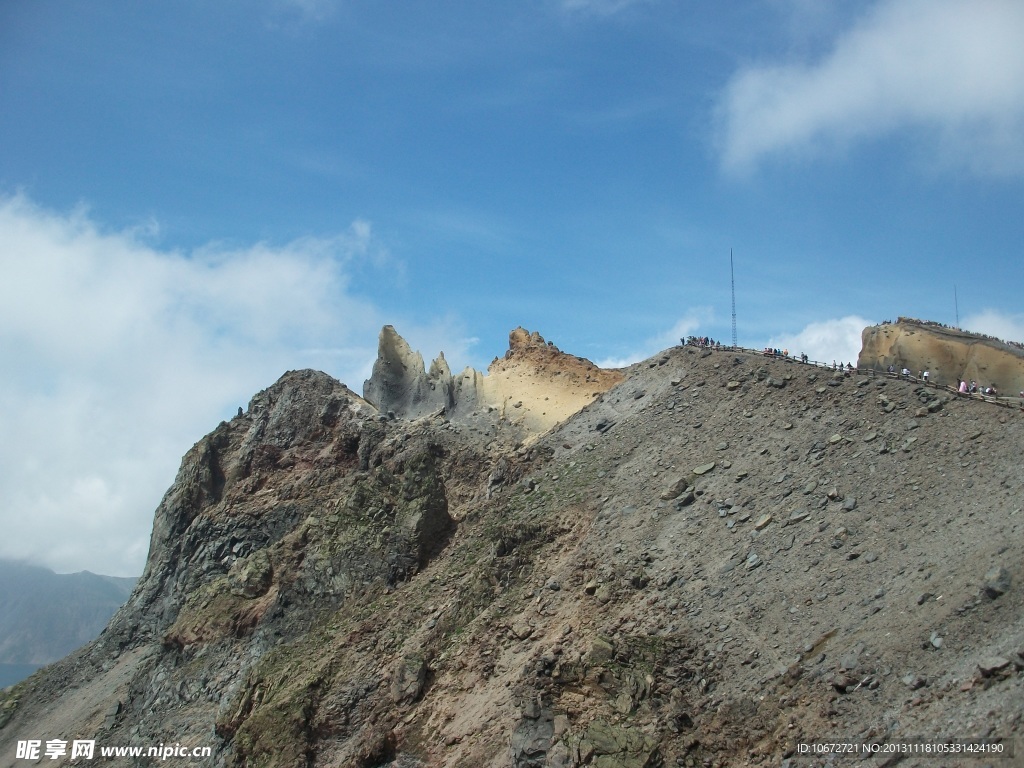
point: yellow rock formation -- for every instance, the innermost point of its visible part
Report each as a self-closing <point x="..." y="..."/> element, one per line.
<point x="948" y="354"/>
<point x="537" y="385"/>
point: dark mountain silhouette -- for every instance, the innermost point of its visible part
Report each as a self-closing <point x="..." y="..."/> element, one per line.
<point x="45" y="615"/>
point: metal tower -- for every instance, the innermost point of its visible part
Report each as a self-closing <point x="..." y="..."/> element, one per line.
<point x="732" y="279"/>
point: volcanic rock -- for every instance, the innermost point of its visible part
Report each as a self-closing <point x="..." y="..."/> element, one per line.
<point x="332" y="584"/>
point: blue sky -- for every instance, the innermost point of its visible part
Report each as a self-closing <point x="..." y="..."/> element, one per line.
<point x="196" y="197"/>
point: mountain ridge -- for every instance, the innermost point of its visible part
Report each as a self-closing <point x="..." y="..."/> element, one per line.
<point x="717" y="558"/>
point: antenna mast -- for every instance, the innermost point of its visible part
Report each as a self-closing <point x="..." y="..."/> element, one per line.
<point x="732" y="280"/>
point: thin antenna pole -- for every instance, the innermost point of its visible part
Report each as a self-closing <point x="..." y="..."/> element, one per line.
<point x="956" y="304"/>
<point x="732" y="280"/>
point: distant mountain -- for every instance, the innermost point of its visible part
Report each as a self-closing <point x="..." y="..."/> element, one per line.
<point x="46" y="615"/>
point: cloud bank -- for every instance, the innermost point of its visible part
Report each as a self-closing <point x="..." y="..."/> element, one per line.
<point x="687" y="325"/>
<point x="826" y="341"/>
<point x="1008" y="327"/>
<point x="952" y="70"/>
<point x="117" y="356"/>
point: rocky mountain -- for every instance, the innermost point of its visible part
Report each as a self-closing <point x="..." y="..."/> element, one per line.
<point x="948" y="354"/>
<point x="532" y="388"/>
<point x="717" y="558"/>
<point x="45" y="615"/>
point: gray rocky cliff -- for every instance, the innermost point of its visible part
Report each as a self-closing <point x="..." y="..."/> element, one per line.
<point x="274" y="517"/>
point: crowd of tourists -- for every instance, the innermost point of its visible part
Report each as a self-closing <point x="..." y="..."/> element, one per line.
<point x="964" y="388"/>
<point x="974" y="389"/>
<point x="705" y="342"/>
<point x="933" y="324"/>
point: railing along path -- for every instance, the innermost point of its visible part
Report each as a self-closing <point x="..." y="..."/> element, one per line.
<point x="1005" y="402"/>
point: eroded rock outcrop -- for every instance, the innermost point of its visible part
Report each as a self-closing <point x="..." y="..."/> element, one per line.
<point x="533" y="386"/>
<point x="400" y="384"/>
<point x="948" y="354"/>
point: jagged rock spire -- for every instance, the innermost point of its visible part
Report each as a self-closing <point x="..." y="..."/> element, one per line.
<point x="534" y="386"/>
<point x="400" y="382"/>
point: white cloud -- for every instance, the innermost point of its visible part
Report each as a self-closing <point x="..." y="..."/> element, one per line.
<point x="951" y="69"/>
<point x="991" y="322"/>
<point x="825" y="341"/>
<point x="117" y="356"/>
<point x="683" y="327"/>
